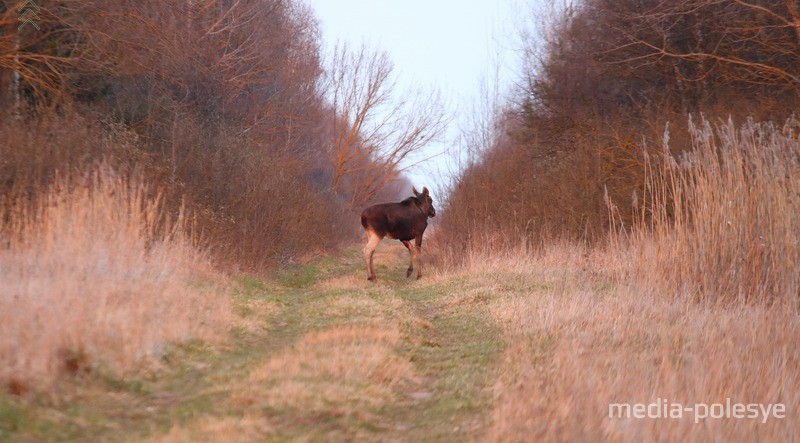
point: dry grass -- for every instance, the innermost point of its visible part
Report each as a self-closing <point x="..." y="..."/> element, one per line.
<point x="362" y="307"/>
<point x="698" y="307"/>
<point x="261" y="308"/>
<point x="688" y="309"/>
<point x="726" y="216"/>
<point x="577" y="343"/>
<point x="94" y="277"/>
<point x="210" y="429"/>
<point x="338" y="371"/>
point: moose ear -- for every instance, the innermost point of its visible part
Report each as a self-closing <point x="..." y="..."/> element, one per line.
<point x="424" y="191"/>
<point x="414" y="190"/>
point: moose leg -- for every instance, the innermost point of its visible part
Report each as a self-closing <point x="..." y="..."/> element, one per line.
<point x="419" y="257"/>
<point x="410" y="248"/>
<point x="372" y="242"/>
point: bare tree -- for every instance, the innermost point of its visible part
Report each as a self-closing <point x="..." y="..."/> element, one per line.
<point x="376" y="129"/>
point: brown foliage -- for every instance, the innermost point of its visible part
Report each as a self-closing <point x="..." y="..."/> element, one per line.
<point x="610" y="78"/>
<point x="216" y="101"/>
<point x="724" y="215"/>
<point x="521" y="188"/>
<point x="620" y="58"/>
<point x="96" y="275"/>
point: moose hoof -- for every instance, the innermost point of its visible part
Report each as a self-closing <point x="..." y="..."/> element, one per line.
<point x="419" y="276"/>
<point x="372" y="278"/>
<point x="409" y="271"/>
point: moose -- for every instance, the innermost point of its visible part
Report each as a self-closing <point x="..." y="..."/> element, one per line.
<point x="404" y="221"/>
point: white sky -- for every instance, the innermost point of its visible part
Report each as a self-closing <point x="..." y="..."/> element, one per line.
<point x="448" y="44"/>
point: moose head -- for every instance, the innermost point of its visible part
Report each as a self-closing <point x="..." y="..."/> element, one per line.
<point x="425" y="201"/>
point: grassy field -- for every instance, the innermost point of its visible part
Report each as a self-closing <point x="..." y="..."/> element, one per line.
<point x="506" y="349"/>
<point x="315" y="353"/>
<point x="699" y="307"/>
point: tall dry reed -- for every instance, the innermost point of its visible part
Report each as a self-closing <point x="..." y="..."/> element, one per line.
<point x="696" y="304"/>
<point x="93" y="276"/>
<point x="726" y="215"/>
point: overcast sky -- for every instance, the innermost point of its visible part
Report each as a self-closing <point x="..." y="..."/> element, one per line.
<point x="447" y="44"/>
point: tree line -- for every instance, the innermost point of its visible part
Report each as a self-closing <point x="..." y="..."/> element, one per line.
<point x="604" y="82"/>
<point x="229" y="107"/>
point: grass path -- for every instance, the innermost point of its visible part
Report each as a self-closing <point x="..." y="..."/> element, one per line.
<point x="316" y="353"/>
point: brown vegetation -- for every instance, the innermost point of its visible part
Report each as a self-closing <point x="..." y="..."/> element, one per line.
<point x="222" y="108"/>
<point x="620" y="322"/>
<point x="95" y="277"/>
<point x="724" y="218"/>
<point x="376" y="128"/>
<point x="581" y="334"/>
<point x="219" y="103"/>
<point x="602" y="89"/>
<point x="133" y="127"/>
<point x="688" y="287"/>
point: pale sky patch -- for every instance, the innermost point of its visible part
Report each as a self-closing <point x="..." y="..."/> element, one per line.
<point x="447" y="44"/>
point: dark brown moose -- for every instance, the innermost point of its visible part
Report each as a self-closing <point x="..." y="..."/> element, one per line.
<point x="404" y="221"/>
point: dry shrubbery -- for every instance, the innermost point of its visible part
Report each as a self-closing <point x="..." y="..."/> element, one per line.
<point x="587" y="135"/>
<point x="221" y="108"/>
<point x="620" y="322"/>
<point x="693" y="297"/>
<point x="606" y="80"/>
<point x="220" y="103"/>
<point x="96" y="277"/>
<point x="716" y="223"/>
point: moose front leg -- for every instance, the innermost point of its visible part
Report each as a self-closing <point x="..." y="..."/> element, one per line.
<point x="419" y="257"/>
<point x="410" y="248"/>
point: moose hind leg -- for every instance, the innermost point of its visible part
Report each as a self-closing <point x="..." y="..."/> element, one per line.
<point x="419" y="257"/>
<point x="369" y="250"/>
<point x="410" y="248"/>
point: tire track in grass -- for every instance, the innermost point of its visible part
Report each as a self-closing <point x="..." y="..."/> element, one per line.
<point x="451" y="349"/>
<point x="316" y="353"/>
<point x="457" y="354"/>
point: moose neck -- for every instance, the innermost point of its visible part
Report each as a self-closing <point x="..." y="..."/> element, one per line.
<point x="419" y="206"/>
